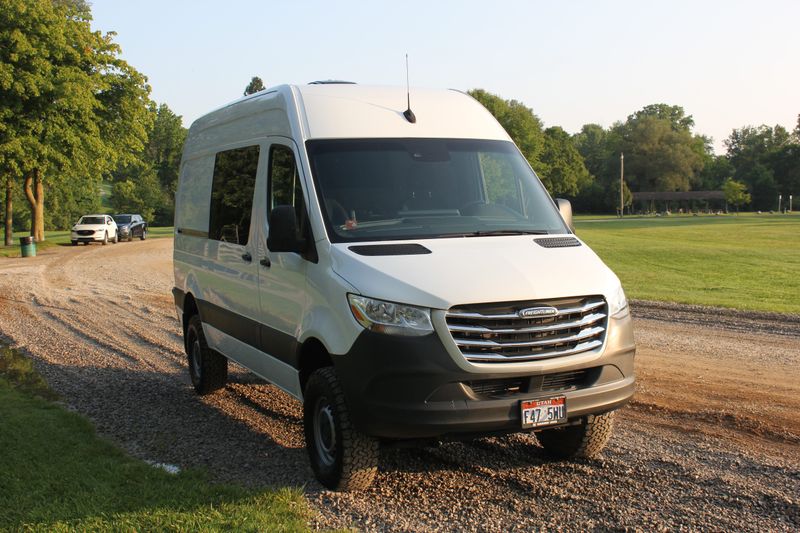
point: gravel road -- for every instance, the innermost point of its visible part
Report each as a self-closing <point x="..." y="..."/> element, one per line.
<point x="712" y="440"/>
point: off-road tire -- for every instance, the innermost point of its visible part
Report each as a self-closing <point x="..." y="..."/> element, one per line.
<point x="105" y="239"/>
<point x="355" y="455"/>
<point x="207" y="369"/>
<point x="586" y="440"/>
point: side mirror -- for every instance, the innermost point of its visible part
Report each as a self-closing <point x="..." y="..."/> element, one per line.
<point x="282" y="235"/>
<point x="565" y="208"/>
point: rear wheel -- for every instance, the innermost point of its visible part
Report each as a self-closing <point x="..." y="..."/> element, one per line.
<point x="585" y="440"/>
<point x="207" y="368"/>
<point x="342" y="458"/>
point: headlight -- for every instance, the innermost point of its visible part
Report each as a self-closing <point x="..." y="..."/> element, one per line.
<point x="618" y="304"/>
<point x="390" y="318"/>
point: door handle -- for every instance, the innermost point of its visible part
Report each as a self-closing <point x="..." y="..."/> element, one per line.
<point x="265" y="262"/>
<point x="247" y="257"/>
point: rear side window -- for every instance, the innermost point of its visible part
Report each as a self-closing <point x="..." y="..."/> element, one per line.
<point x="232" y="194"/>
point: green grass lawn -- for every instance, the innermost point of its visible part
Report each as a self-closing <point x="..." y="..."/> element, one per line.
<point x="747" y="261"/>
<point x="61" y="238"/>
<point x="57" y="475"/>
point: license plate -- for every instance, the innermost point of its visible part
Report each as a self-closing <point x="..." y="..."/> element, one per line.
<point x="543" y="412"/>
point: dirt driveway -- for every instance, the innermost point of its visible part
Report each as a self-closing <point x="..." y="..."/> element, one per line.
<point x="712" y="440"/>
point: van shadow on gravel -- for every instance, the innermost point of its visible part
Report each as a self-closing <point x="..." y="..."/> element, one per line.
<point x="158" y="417"/>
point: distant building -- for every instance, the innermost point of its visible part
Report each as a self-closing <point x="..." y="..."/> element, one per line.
<point x="673" y="200"/>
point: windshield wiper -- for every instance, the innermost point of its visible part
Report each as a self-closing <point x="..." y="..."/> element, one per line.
<point x="496" y="232"/>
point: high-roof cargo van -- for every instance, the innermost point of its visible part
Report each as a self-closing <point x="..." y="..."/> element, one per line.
<point x="400" y="271"/>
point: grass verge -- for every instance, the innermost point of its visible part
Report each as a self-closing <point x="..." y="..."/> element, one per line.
<point x="745" y="261"/>
<point x="58" y="475"/>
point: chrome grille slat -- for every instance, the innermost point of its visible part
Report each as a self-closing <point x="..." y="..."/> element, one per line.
<point x="497" y="357"/>
<point x="584" y="334"/>
<point x="588" y="320"/>
<point x="496" y="333"/>
<point x="511" y="316"/>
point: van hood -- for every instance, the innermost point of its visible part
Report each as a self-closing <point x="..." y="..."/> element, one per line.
<point x="475" y="270"/>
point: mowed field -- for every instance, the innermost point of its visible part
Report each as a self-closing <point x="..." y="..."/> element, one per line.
<point x="743" y="261"/>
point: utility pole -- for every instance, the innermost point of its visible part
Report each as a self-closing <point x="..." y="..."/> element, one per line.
<point x="780" y="197"/>
<point x="790" y="203"/>
<point x="621" y="184"/>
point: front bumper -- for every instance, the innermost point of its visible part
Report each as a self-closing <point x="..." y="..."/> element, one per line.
<point x="411" y="387"/>
<point x="96" y="237"/>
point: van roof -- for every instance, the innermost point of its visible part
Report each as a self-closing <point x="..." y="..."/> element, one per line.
<point x="346" y="111"/>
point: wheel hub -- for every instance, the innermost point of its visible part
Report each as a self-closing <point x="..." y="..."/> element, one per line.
<point x="324" y="432"/>
<point x="194" y="365"/>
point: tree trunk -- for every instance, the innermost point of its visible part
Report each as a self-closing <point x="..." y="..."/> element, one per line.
<point x="9" y="213"/>
<point x="34" y="192"/>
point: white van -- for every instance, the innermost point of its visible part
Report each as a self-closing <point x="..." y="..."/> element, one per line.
<point x="403" y="273"/>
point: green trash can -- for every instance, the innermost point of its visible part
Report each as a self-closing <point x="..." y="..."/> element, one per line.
<point x="28" y="247"/>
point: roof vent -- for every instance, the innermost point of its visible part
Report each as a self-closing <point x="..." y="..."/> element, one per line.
<point x="331" y="82"/>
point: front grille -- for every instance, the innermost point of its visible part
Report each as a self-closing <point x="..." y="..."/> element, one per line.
<point x="497" y="333"/>
<point x="563" y="381"/>
<point x="85" y="232"/>
<point x="557" y="382"/>
<point x="499" y="387"/>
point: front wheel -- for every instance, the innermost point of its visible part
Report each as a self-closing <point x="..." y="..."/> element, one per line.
<point x="585" y="440"/>
<point x="207" y="368"/>
<point x="342" y="458"/>
<point x="144" y="234"/>
<point x="116" y="238"/>
<point x="74" y="243"/>
<point x="105" y="238"/>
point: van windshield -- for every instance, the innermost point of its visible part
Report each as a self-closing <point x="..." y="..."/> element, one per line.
<point x="391" y="189"/>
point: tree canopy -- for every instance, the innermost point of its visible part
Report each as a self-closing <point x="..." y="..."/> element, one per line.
<point x="767" y="160"/>
<point x="254" y="86"/>
<point x="72" y="109"/>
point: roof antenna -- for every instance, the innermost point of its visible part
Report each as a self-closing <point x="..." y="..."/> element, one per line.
<point x="408" y="113"/>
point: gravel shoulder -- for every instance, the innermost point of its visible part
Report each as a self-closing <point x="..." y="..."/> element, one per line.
<point x="711" y="441"/>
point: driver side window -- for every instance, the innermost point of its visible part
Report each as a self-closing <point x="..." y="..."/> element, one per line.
<point x="284" y="184"/>
<point x="502" y="186"/>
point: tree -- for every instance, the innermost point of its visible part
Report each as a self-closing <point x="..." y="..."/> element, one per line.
<point x="563" y="171"/>
<point x="735" y="193"/>
<point x="142" y="195"/>
<point x="160" y="157"/>
<point x="661" y="154"/>
<point x="767" y="160"/>
<point x="71" y="108"/>
<point x="674" y="114"/>
<point x="254" y="86"/>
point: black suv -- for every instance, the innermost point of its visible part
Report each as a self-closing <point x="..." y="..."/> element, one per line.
<point x="130" y="226"/>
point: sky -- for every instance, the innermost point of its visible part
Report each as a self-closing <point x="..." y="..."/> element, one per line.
<point x="727" y="63"/>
